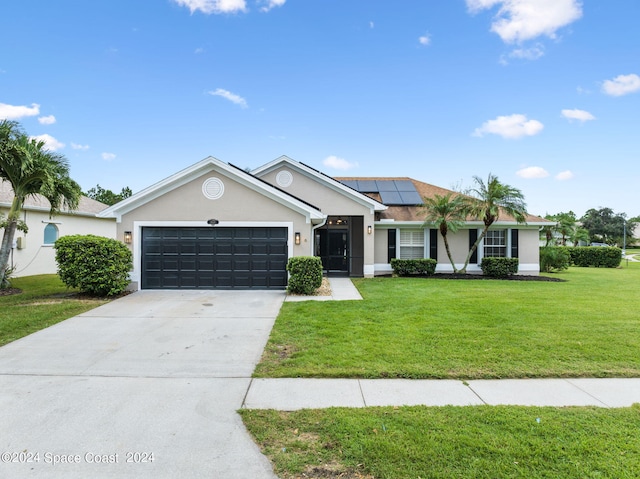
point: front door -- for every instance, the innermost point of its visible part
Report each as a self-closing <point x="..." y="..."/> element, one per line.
<point x="332" y="245"/>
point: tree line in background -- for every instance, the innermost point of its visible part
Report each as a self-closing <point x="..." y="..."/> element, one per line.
<point x="601" y="226"/>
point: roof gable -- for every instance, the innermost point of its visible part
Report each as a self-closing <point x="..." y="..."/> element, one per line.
<point x="320" y="178"/>
<point x="211" y="164"/>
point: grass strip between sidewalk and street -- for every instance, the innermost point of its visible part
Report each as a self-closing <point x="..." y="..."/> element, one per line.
<point x="450" y="442"/>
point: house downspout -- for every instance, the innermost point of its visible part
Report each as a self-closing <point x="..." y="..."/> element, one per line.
<point x="313" y="232"/>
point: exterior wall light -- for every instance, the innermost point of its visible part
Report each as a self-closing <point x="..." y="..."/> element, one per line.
<point x="297" y="238"/>
<point x="369" y="229"/>
<point x="128" y="237"/>
<point x="212" y="222"/>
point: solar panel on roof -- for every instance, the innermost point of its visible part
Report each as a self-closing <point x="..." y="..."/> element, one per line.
<point x="404" y="185"/>
<point x="350" y="183"/>
<point x="386" y="185"/>
<point x="390" y="198"/>
<point x="367" y="186"/>
<point x="410" y="198"/>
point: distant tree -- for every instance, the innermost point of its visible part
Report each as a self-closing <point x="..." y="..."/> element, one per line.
<point x="447" y="213"/>
<point x="31" y="170"/>
<point x="487" y="201"/>
<point x="580" y="234"/>
<point x="564" y="227"/>
<point x="108" y="197"/>
<point x="603" y="224"/>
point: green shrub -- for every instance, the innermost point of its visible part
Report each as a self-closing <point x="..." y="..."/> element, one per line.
<point x="554" y="258"/>
<point x="499" y="267"/>
<point x="597" y="256"/>
<point x="93" y="264"/>
<point x="421" y="267"/>
<point x="305" y="274"/>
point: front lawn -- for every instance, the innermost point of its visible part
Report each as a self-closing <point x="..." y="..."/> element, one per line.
<point x="450" y="442"/>
<point x="44" y="301"/>
<point x="435" y="328"/>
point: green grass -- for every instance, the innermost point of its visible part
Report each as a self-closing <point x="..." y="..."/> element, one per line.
<point x="451" y="442"/>
<point x="433" y="328"/>
<point x="44" y="301"/>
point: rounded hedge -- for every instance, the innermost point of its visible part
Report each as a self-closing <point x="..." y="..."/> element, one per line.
<point x="93" y="264"/>
<point x="305" y="274"/>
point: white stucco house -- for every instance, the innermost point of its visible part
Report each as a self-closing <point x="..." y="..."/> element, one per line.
<point x="215" y="225"/>
<point x="33" y="252"/>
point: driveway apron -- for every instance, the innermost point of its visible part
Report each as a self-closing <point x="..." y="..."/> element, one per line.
<point x="146" y="386"/>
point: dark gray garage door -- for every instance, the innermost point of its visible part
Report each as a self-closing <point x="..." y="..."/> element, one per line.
<point x="214" y="257"/>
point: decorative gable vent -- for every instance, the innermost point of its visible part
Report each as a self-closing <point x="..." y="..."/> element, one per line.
<point x="213" y="188"/>
<point x="284" y="179"/>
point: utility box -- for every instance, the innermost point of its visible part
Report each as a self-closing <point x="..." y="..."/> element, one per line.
<point x="21" y="242"/>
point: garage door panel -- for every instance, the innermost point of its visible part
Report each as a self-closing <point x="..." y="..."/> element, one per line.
<point x="208" y="258"/>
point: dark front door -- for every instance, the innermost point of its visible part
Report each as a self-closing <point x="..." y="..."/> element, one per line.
<point x="332" y="245"/>
<point x="214" y="257"/>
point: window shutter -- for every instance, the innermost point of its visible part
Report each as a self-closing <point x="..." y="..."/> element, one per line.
<point x="391" y="245"/>
<point x="473" y="237"/>
<point x="514" y="243"/>
<point x="433" y="244"/>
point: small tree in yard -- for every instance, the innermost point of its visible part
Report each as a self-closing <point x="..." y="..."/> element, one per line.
<point x="31" y="170"/>
<point x="447" y="213"/>
<point x="488" y="201"/>
<point x="95" y="265"/>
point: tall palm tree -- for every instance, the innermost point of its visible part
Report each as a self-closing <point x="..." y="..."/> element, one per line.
<point x="447" y="213"/>
<point x="489" y="200"/>
<point x="31" y="170"/>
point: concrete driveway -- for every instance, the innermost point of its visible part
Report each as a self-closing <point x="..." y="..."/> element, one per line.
<point x="143" y="387"/>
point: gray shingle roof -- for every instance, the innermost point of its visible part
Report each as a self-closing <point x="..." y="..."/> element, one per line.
<point x="87" y="206"/>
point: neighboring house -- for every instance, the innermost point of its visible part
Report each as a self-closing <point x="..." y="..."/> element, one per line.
<point x="33" y="252"/>
<point x="214" y="225"/>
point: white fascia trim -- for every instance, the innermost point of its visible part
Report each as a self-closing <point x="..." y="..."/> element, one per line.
<point x="327" y="180"/>
<point x="136" y="274"/>
<point x="189" y="174"/>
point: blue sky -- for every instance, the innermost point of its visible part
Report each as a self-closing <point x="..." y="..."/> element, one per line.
<point x="545" y="94"/>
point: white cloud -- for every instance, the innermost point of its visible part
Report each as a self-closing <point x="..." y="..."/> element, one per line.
<point x="50" y="143"/>
<point x="621" y="85"/>
<point x="15" y="112"/>
<point x="532" y="53"/>
<point x="512" y="126"/>
<point x="579" y="115"/>
<point x="213" y="6"/>
<point x="47" y="120"/>
<point x="520" y="20"/>
<point x="564" y="175"/>
<point x="76" y="146"/>
<point x="108" y="156"/>
<point x="425" y="40"/>
<point x="371" y="25"/>
<point x="272" y="4"/>
<point x="583" y="91"/>
<point x="199" y="50"/>
<point x="232" y="97"/>
<point x="532" y="172"/>
<point x="338" y="163"/>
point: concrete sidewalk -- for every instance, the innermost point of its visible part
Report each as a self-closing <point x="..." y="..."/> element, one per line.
<point x="293" y="394"/>
<point x="342" y="289"/>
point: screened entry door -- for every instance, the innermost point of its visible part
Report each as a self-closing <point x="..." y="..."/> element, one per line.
<point x="332" y="245"/>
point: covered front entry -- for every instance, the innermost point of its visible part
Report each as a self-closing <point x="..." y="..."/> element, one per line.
<point x="214" y="257"/>
<point x="340" y="245"/>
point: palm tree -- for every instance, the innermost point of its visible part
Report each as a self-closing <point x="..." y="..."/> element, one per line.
<point x="489" y="200"/>
<point x="31" y="170"/>
<point x="447" y="213"/>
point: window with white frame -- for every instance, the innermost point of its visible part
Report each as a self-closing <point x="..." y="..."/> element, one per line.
<point x="50" y="233"/>
<point x="495" y="244"/>
<point x="411" y="244"/>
